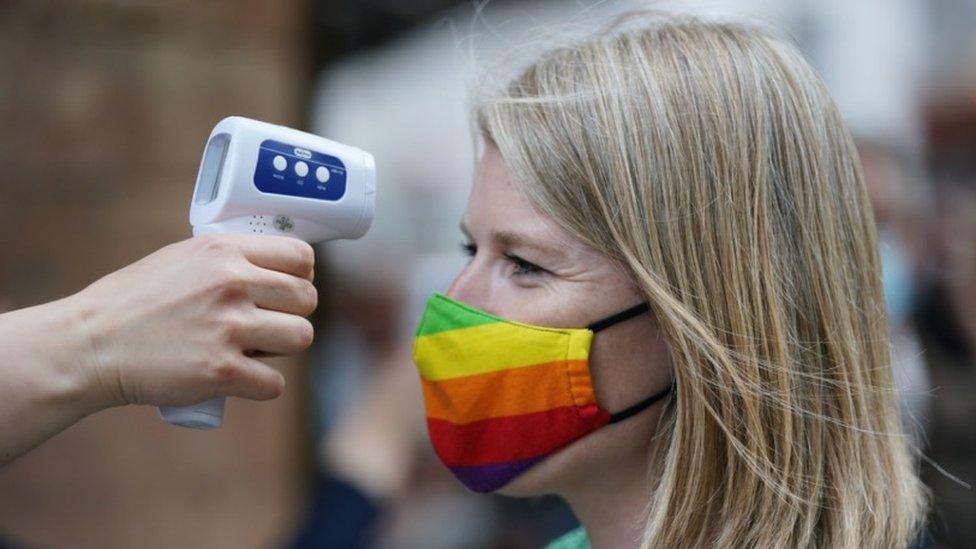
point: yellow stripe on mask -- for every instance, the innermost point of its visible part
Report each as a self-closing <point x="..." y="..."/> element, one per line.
<point x="493" y="347"/>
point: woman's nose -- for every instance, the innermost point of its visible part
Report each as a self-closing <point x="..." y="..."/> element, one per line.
<point x="469" y="287"/>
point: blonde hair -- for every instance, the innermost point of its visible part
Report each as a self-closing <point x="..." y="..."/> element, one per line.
<point x="708" y="159"/>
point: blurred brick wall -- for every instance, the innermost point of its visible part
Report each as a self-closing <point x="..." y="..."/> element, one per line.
<point x="105" y="106"/>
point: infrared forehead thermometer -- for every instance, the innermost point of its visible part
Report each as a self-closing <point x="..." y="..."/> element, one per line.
<point x="259" y="178"/>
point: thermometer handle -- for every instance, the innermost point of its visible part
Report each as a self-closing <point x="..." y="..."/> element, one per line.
<point x="208" y="414"/>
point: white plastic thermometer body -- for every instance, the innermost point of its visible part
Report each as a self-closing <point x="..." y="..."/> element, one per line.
<point x="259" y="178"/>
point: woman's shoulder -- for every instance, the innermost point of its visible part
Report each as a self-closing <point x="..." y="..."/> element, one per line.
<point x="574" y="539"/>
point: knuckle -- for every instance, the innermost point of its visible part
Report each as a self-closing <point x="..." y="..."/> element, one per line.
<point x="232" y="327"/>
<point x="213" y="244"/>
<point x="231" y="281"/>
<point x="224" y="371"/>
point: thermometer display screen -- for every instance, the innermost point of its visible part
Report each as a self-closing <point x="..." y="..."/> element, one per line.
<point x="213" y="163"/>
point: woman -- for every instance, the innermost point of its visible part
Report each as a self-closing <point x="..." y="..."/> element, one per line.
<point x="702" y="169"/>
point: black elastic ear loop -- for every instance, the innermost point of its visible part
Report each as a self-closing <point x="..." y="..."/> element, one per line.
<point x="636" y="310"/>
<point x="641" y="406"/>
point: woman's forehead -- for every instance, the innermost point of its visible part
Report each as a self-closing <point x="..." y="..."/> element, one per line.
<point x="497" y="203"/>
<point x="500" y="212"/>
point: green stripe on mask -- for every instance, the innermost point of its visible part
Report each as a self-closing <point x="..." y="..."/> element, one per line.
<point x="446" y="314"/>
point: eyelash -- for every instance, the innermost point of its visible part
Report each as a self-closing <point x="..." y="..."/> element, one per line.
<point x="522" y="267"/>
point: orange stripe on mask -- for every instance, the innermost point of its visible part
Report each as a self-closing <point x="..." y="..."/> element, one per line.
<point x="509" y="392"/>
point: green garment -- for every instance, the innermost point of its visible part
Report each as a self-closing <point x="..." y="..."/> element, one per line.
<point x="574" y="539"/>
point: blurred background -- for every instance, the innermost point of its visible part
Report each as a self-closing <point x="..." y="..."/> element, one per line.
<point x="104" y="109"/>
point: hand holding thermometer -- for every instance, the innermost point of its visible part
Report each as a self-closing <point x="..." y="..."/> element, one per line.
<point x="259" y="178"/>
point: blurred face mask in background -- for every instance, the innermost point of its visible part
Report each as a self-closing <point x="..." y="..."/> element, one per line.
<point x="501" y="395"/>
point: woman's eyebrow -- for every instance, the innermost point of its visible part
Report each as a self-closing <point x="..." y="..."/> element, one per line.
<point x="512" y="239"/>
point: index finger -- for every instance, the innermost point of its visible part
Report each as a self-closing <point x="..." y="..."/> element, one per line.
<point x="279" y="253"/>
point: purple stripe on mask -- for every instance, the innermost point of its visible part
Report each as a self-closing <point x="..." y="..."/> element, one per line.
<point x="488" y="478"/>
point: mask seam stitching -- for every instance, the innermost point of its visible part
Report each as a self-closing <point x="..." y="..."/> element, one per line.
<point x="569" y="378"/>
<point x="417" y="335"/>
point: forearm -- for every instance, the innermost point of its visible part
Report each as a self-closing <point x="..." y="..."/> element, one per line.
<point x="46" y="382"/>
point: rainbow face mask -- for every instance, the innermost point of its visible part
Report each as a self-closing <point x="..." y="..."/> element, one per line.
<point x="501" y="395"/>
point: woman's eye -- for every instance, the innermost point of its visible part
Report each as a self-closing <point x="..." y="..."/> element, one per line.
<point x="523" y="267"/>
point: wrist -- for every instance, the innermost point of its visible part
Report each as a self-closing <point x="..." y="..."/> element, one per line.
<point x="47" y="384"/>
<point x="45" y="353"/>
<point x="97" y="388"/>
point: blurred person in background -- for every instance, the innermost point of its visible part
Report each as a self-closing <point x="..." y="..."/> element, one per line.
<point x="945" y="313"/>
<point x="899" y="210"/>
